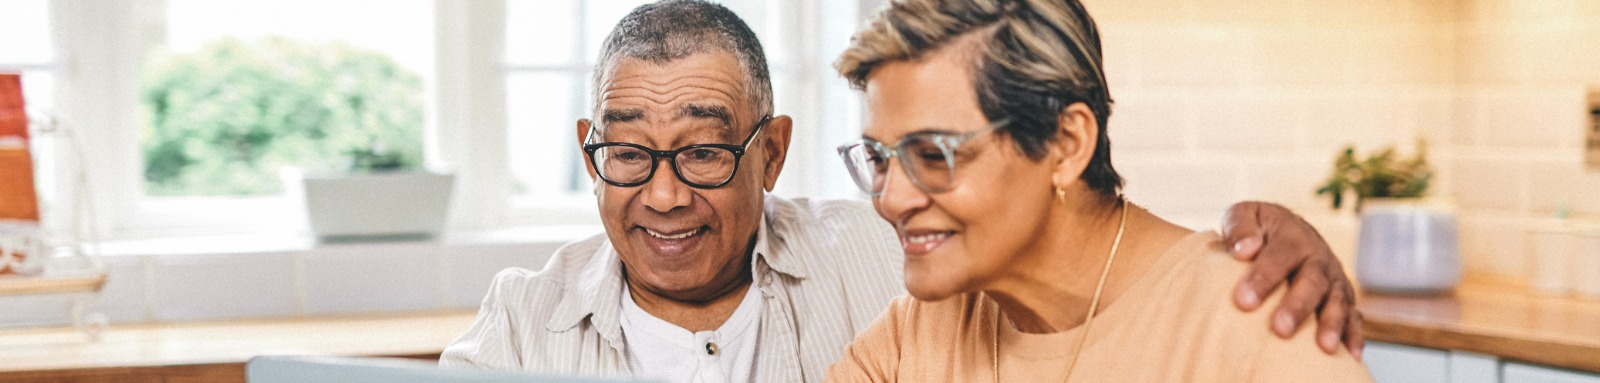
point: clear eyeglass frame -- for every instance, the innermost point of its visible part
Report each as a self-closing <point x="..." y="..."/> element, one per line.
<point x="931" y="171"/>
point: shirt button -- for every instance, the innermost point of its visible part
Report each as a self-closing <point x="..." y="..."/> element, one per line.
<point x="711" y="348"/>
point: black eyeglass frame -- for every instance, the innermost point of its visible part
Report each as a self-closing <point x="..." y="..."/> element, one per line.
<point x="672" y="157"/>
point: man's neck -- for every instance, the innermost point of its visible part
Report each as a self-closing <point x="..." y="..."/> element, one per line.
<point x="695" y="316"/>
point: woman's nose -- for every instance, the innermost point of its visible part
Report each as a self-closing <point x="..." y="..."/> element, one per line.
<point x="900" y="197"/>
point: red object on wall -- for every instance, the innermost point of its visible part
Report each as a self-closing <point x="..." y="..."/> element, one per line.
<point x="18" y="199"/>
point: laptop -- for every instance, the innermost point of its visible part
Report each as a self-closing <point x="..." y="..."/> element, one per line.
<point x="319" y="369"/>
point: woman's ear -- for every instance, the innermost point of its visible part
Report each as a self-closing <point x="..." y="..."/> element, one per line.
<point x="1077" y="133"/>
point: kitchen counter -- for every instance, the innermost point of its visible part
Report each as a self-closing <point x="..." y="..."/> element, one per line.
<point x="1498" y="317"/>
<point x="215" y="352"/>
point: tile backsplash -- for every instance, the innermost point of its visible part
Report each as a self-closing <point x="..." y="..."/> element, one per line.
<point x="1219" y="101"/>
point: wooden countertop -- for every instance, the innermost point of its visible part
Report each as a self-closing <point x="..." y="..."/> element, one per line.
<point x="1483" y="315"/>
<point x="63" y="353"/>
<point x="1491" y="316"/>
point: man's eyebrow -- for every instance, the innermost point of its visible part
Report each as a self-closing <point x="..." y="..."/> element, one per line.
<point x="621" y="115"/>
<point x="716" y="112"/>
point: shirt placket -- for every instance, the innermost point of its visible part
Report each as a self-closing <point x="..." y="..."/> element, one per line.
<point x="780" y="348"/>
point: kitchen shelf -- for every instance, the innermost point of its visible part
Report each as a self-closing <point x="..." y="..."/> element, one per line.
<point x="14" y="285"/>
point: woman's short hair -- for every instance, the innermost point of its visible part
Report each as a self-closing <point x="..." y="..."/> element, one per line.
<point x="1038" y="57"/>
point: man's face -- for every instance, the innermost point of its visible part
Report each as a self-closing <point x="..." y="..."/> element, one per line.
<point x="675" y="240"/>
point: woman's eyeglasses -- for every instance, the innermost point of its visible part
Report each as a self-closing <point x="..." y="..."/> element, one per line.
<point x="928" y="158"/>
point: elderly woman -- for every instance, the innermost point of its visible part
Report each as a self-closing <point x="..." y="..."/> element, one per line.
<point x="986" y="149"/>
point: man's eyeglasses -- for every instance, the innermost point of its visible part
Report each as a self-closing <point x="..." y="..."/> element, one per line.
<point x="927" y="157"/>
<point x="703" y="166"/>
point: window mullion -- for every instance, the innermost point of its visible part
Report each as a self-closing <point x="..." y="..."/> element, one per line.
<point x="471" y="117"/>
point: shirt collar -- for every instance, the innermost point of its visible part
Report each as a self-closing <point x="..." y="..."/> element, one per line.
<point x="598" y="286"/>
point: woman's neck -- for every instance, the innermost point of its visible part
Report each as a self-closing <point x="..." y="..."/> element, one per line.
<point x="1050" y="286"/>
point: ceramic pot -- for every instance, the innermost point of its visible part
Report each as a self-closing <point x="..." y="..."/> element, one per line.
<point x="1408" y="246"/>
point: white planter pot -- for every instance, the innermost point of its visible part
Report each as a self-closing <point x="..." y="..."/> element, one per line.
<point x="1408" y="246"/>
<point x="381" y="206"/>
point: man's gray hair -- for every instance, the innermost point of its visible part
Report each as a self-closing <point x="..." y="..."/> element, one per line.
<point x="673" y="29"/>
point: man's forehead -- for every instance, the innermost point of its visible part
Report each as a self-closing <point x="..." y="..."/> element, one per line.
<point x="699" y="78"/>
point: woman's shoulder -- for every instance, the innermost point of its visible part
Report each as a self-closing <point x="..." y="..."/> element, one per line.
<point x="944" y="315"/>
<point x="1192" y="290"/>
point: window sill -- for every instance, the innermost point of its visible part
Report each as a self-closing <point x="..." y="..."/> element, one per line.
<point x="208" y="278"/>
<point x="272" y="242"/>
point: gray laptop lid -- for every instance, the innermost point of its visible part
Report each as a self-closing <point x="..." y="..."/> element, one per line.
<point x="296" y="369"/>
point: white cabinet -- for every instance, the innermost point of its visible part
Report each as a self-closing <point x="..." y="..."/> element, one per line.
<point x="1523" y="373"/>
<point x="1394" y="363"/>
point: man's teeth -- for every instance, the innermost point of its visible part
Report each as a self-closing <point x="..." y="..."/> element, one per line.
<point x="921" y="239"/>
<point x="683" y="235"/>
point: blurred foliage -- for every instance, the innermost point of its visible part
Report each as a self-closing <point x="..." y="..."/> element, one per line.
<point x="1381" y="175"/>
<point x="223" y="120"/>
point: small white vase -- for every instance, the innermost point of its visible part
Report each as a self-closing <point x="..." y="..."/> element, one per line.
<point x="1408" y="245"/>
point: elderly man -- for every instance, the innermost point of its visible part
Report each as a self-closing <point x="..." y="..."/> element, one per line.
<point x="701" y="276"/>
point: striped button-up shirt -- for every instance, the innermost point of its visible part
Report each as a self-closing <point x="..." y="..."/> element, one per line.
<point x="825" y="270"/>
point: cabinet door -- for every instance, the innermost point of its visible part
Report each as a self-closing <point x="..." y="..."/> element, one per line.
<point x="1522" y="373"/>
<point x="1393" y="363"/>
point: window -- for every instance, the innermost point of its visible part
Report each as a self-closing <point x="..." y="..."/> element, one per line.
<point x="239" y="90"/>
<point x="502" y="84"/>
<point x="232" y="93"/>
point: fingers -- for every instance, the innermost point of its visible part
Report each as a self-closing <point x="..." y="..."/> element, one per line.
<point x="1242" y="229"/>
<point x="1332" y="321"/>
<point x="1265" y="274"/>
<point x="1354" y="338"/>
<point x="1305" y="295"/>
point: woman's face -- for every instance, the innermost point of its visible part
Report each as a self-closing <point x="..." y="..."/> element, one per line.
<point x="962" y="239"/>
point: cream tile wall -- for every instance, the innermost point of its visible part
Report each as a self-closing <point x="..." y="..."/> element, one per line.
<point x="1523" y="69"/>
<point x="1219" y="101"/>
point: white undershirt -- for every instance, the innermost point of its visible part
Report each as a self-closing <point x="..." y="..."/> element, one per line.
<point x="657" y="349"/>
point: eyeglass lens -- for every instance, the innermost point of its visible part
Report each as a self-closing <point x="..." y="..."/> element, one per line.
<point x="703" y="166"/>
<point x="926" y="160"/>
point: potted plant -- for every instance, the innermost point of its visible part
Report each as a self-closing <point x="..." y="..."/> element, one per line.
<point x="383" y="195"/>
<point x="1407" y="244"/>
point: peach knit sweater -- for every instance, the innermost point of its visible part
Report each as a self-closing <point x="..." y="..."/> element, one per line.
<point x="1178" y="324"/>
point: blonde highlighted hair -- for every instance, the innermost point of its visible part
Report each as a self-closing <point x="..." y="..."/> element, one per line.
<point x="1036" y="58"/>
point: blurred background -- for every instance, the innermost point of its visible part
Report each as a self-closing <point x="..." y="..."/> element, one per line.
<point x="182" y="115"/>
<point x="181" y="108"/>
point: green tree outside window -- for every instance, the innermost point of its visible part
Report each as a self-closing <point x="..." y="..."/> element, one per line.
<point x="221" y="121"/>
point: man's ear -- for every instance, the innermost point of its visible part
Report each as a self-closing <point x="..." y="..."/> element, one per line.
<point x="1078" y="132"/>
<point x="776" y="148"/>
<point x="583" y="134"/>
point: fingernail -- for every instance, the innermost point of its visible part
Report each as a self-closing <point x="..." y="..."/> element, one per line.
<point x="1248" y="298"/>
<point x="1283" y="324"/>
<point x="1244" y="243"/>
<point x="1330" y="341"/>
<point x="1357" y="353"/>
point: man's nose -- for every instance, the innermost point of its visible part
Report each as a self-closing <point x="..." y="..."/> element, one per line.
<point x="665" y="191"/>
<point x="900" y="197"/>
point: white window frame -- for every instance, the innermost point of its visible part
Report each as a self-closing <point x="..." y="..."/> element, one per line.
<point x="101" y="45"/>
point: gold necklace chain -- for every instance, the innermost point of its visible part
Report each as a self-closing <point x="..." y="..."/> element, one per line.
<point x="1094" y="303"/>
